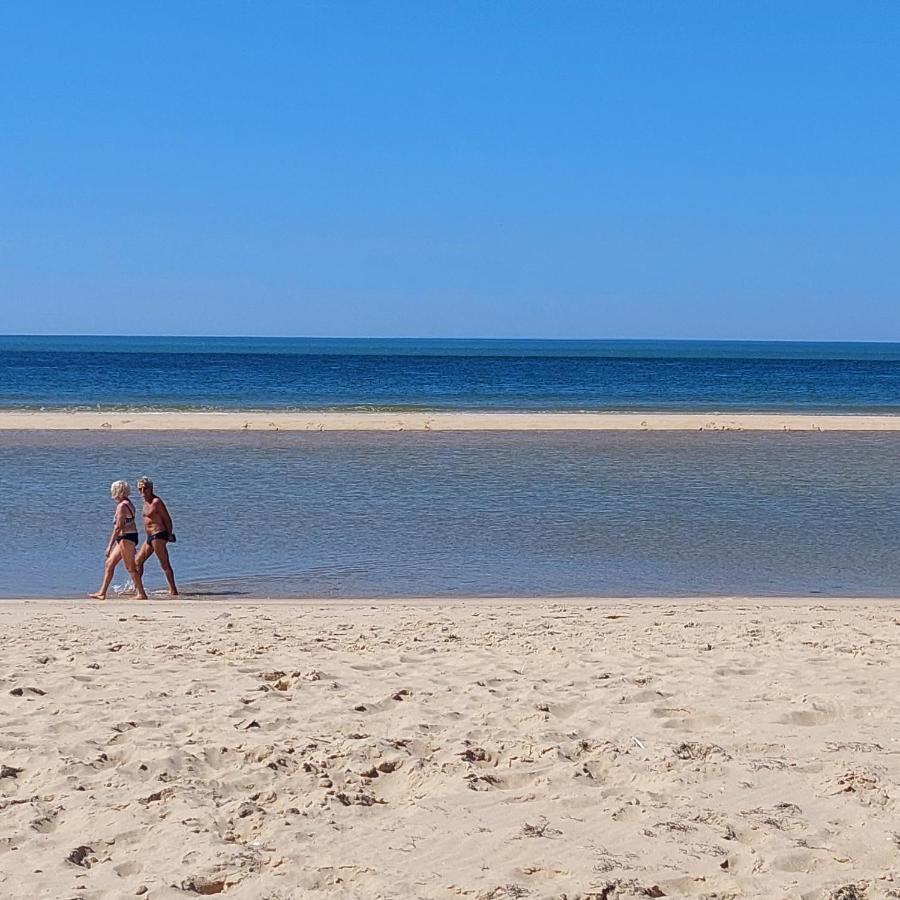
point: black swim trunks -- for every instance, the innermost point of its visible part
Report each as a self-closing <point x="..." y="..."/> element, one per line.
<point x="158" y="536"/>
<point x="129" y="537"/>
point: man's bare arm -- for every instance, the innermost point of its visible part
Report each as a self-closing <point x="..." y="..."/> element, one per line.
<point x="167" y="519"/>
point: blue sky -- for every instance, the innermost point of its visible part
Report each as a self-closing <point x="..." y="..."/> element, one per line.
<point x="597" y="169"/>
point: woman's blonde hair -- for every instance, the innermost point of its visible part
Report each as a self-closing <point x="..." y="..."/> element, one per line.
<point x="119" y="489"/>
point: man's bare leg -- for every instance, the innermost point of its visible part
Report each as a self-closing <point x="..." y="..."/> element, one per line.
<point x="142" y="556"/>
<point x="162" y="554"/>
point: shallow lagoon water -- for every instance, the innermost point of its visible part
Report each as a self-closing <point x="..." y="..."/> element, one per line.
<point x="513" y="514"/>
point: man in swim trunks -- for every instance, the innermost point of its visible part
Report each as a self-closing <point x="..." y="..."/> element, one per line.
<point x="158" y="525"/>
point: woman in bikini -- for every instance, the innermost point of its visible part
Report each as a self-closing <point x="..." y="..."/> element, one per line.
<point x="122" y="542"/>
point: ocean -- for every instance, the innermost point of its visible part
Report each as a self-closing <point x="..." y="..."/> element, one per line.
<point x="488" y="514"/>
<point x="296" y="374"/>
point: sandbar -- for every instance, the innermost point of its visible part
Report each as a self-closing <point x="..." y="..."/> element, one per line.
<point x="84" y="420"/>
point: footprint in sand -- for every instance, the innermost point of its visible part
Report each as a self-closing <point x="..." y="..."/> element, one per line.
<point x="818" y="713"/>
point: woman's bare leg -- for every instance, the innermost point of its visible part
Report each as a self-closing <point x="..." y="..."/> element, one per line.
<point x="109" y="570"/>
<point x="128" y="553"/>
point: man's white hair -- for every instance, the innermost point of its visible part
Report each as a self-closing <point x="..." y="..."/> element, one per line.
<point x="119" y="489"/>
<point x="145" y="480"/>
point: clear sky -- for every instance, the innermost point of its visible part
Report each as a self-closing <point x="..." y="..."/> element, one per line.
<point x="561" y="169"/>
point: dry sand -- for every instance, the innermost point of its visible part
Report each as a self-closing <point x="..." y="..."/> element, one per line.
<point x="466" y="749"/>
<point x="437" y="421"/>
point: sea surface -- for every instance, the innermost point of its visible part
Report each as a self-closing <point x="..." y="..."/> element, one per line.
<point x="302" y="373"/>
<point x="444" y="514"/>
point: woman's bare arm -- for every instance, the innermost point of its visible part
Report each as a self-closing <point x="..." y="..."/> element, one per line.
<point x="117" y="528"/>
<point x="112" y="539"/>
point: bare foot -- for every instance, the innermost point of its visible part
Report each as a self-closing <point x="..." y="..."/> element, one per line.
<point x="142" y="596"/>
<point x="173" y="593"/>
<point x="97" y="596"/>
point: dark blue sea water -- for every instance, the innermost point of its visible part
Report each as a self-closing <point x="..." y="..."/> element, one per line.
<point x="302" y="373"/>
<point x="418" y="514"/>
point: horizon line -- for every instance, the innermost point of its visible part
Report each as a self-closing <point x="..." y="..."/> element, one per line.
<point x="301" y="337"/>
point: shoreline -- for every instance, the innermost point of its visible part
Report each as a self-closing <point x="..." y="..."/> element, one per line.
<point x="43" y="420"/>
<point x="708" y="601"/>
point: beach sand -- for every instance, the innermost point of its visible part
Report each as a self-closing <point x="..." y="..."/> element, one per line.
<point x="450" y="749"/>
<point x="436" y="421"/>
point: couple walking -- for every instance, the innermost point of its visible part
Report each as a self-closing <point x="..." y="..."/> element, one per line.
<point x="123" y="542"/>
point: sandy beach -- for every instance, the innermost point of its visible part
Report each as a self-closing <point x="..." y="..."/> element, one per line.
<point x="248" y="420"/>
<point x="435" y="749"/>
